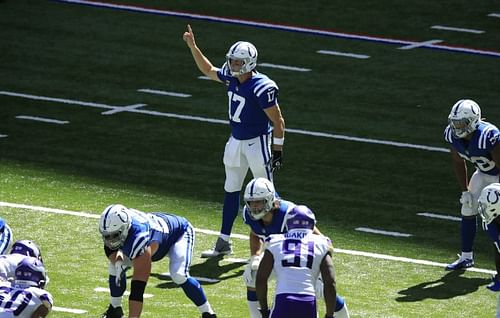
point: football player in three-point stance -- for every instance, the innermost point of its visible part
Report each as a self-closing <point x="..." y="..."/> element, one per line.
<point x="25" y="297"/>
<point x="476" y="141"/>
<point x="266" y="214"/>
<point x="136" y="239"/>
<point x="253" y="106"/>
<point x="298" y="258"/>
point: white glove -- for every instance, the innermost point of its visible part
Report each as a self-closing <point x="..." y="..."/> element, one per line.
<point x="319" y="288"/>
<point x="120" y="268"/>
<point x="466" y="199"/>
<point x="249" y="276"/>
<point x="254" y="262"/>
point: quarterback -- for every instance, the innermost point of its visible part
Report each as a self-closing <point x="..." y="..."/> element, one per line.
<point x="252" y="107"/>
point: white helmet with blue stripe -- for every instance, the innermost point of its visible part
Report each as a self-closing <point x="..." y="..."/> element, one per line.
<point x="489" y="203"/>
<point x="245" y="52"/>
<point x="114" y="225"/>
<point x="259" y="189"/>
<point x="464" y="117"/>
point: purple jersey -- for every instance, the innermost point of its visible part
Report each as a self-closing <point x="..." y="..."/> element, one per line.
<point x="247" y="102"/>
<point x="478" y="149"/>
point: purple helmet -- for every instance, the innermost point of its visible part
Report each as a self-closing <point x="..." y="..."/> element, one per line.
<point x="300" y="217"/>
<point x="26" y="247"/>
<point x="30" y="271"/>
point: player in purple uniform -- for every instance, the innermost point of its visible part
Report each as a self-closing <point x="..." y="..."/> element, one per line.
<point x="25" y="297"/>
<point x="298" y="258"/>
<point x="253" y="106"/>
<point x="476" y="141"/>
<point x="136" y="239"/>
<point x="265" y="213"/>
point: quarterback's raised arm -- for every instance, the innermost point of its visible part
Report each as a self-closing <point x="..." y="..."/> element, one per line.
<point x="204" y="64"/>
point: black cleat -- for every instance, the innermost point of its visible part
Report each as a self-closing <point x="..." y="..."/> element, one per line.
<point x="113" y="312"/>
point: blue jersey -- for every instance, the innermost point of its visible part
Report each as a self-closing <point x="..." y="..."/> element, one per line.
<point x="478" y="149"/>
<point x="146" y="228"/>
<point x="247" y="102"/>
<point x="278" y="224"/>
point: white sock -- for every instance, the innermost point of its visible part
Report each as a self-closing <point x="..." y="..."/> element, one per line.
<point x="224" y="237"/>
<point x="467" y="255"/>
<point x="253" y="306"/>
<point x="206" y="308"/>
<point x="116" y="301"/>
<point x="342" y="313"/>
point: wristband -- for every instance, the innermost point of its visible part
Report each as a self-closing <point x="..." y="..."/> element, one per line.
<point x="278" y="141"/>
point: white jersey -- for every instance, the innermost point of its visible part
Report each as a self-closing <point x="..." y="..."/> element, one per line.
<point x="297" y="258"/>
<point x="20" y="302"/>
<point x="8" y="264"/>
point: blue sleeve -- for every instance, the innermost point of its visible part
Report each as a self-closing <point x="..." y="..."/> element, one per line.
<point x="491" y="139"/>
<point x="266" y="92"/>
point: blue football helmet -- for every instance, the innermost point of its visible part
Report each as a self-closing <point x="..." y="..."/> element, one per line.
<point x="26" y="247"/>
<point x="300" y="217"/>
<point x="114" y="225"/>
<point x="30" y="272"/>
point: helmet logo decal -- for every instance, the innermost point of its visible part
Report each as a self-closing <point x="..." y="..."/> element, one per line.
<point x="496" y="199"/>
<point x="121" y="217"/>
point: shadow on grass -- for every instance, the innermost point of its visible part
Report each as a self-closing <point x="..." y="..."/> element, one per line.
<point x="210" y="272"/>
<point x="449" y="286"/>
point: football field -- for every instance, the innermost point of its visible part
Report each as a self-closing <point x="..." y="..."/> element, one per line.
<point x="101" y="102"/>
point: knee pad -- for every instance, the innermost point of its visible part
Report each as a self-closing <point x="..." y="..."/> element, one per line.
<point x="177" y="278"/>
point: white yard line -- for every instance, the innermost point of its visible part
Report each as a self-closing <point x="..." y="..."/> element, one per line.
<point x="245" y="237"/>
<point x="203" y="77"/>
<point x="454" y="29"/>
<point x="3" y="136"/>
<point x="123" y="109"/>
<point x="70" y="310"/>
<point x="285" y="67"/>
<point x="220" y="121"/>
<point x="439" y="216"/>
<point x="356" y="56"/>
<point x="494" y="15"/>
<point x="421" y="44"/>
<point x="106" y="290"/>
<point x="383" y="232"/>
<point x="43" y="119"/>
<point x="165" y="93"/>
<point x="274" y="26"/>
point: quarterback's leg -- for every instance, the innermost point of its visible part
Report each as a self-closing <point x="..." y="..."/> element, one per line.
<point x="236" y="170"/>
<point x="180" y="256"/>
<point x="257" y="151"/>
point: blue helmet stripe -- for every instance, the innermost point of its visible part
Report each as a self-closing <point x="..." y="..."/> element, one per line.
<point x="106" y="217"/>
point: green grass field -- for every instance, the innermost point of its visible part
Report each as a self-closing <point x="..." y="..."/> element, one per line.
<point x="103" y="56"/>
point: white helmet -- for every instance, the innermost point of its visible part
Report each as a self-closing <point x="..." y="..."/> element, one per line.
<point x="243" y="51"/>
<point x="464" y="117"/>
<point x="260" y="189"/>
<point x="114" y="225"/>
<point x="489" y="203"/>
